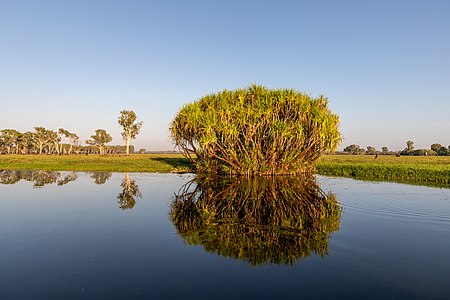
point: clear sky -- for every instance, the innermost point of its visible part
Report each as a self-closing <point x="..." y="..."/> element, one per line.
<point x="384" y="65"/>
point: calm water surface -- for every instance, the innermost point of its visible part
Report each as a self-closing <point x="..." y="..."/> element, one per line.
<point x="67" y="235"/>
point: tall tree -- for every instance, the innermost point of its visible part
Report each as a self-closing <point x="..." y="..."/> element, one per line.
<point x="385" y="150"/>
<point x="54" y="140"/>
<point x="131" y="128"/>
<point x="371" y="150"/>
<point x="409" y="146"/>
<point x="41" y="138"/>
<point x="354" y="149"/>
<point x="10" y="138"/>
<point x="62" y="133"/>
<point x="73" y="138"/>
<point x="26" y="142"/>
<point x="73" y="141"/>
<point x="100" y="139"/>
<point x="436" y="147"/>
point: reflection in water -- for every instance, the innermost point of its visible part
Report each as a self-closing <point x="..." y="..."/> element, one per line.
<point x="100" y="177"/>
<point x="39" y="178"/>
<point x="42" y="178"/>
<point x="130" y="190"/>
<point x="72" y="176"/>
<point x="259" y="220"/>
<point x="10" y="176"/>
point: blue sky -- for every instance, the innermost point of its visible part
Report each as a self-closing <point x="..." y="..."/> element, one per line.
<point x="384" y="65"/>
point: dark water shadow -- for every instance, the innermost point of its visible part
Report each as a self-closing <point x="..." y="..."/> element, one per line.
<point x="276" y="220"/>
<point x="175" y="162"/>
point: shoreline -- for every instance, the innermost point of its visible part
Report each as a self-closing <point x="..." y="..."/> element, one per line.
<point x="433" y="171"/>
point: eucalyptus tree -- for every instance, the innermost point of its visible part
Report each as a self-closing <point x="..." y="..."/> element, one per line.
<point x="73" y="139"/>
<point x="371" y="150"/>
<point x="436" y="147"/>
<point x="131" y="128"/>
<point x="41" y="138"/>
<point x="10" y="139"/>
<point x="53" y="141"/>
<point x="26" y="142"/>
<point x="62" y="133"/>
<point x="100" y="139"/>
<point x="409" y="146"/>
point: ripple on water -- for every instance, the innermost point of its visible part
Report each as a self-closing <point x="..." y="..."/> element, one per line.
<point x="385" y="199"/>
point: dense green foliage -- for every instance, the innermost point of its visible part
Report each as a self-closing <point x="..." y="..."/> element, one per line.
<point x="99" y="140"/>
<point x="256" y="131"/>
<point x="259" y="220"/>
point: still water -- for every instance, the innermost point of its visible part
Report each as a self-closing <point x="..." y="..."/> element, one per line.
<point x="66" y="235"/>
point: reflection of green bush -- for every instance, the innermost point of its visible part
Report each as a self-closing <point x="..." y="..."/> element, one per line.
<point x="259" y="220"/>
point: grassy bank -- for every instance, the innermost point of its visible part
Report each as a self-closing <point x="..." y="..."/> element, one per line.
<point x="164" y="163"/>
<point x="414" y="169"/>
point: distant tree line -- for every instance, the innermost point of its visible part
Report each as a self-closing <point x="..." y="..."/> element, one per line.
<point x="436" y="149"/>
<point x="62" y="141"/>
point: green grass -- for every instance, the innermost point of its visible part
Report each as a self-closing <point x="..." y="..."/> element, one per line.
<point x="163" y="163"/>
<point x="426" y="170"/>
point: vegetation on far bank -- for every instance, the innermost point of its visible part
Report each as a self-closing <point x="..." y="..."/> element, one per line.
<point x="47" y="141"/>
<point x="431" y="170"/>
<point x="435" y="149"/>
<point x="163" y="163"/>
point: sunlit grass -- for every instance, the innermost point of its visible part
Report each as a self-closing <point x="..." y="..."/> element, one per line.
<point x="164" y="163"/>
<point x="434" y="170"/>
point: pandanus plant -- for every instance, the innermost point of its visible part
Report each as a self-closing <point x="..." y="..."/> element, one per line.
<point x="256" y="131"/>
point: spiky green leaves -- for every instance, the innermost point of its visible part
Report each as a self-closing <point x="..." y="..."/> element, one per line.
<point x="256" y="131"/>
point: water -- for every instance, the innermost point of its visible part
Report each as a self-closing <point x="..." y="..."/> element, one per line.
<point x="120" y="236"/>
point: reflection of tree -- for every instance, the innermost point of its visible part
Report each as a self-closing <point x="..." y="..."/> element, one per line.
<point x="9" y="176"/>
<point x="72" y="176"/>
<point x="39" y="177"/>
<point x="100" y="177"/>
<point x="130" y="190"/>
<point x="259" y="220"/>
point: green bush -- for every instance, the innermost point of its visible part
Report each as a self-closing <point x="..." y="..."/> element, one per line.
<point x="256" y="131"/>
